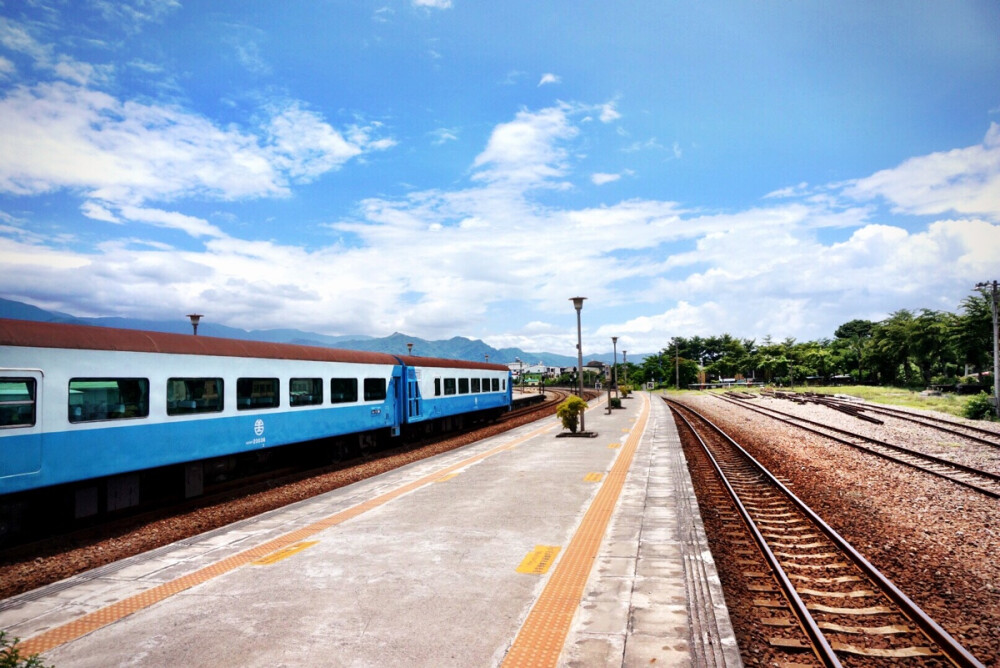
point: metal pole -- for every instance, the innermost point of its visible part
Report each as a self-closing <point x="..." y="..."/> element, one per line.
<point x="614" y="366"/>
<point x="996" y="350"/>
<point x="677" y="362"/>
<point x="578" y="305"/>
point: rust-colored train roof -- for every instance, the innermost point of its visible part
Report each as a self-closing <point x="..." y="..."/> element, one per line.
<point x="414" y="360"/>
<point x="28" y="333"/>
<point x="85" y="337"/>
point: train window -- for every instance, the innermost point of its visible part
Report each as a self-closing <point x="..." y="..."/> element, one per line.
<point x="93" y="399"/>
<point x="437" y="387"/>
<point x="463" y="385"/>
<point x="475" y="385"/>
<point x="305" y="391"/>
<point x="256" y="393"/>
<point x="343" y="390"/>
<point x="17" y="402"/>
<point x="496" y="385"/>
<point x="449" y="386"/>
<point x="194" y="395"/>
<point x="374" y="389"/>
<point x="486" y="384"/>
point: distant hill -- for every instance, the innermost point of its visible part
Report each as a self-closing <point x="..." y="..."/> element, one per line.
<point x="457" y="348"/>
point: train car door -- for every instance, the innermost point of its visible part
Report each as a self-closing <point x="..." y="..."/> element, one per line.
<point x="20" y="422"/>
<point x="412" y="394"/>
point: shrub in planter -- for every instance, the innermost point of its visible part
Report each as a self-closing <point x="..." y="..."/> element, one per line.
<point x="569" y="412"/>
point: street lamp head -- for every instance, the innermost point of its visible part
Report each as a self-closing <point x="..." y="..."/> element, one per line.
<point x="195" y="318"/>
<point x="577" y="302"/>
<point x="614" y="340"/>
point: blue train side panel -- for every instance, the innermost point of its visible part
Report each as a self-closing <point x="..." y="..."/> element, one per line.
<point x="80" y="454"/>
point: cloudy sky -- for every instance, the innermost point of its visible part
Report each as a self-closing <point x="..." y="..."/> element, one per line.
<point x="461" y="168"/>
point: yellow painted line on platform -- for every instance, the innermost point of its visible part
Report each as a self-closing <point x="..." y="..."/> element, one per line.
<point x="90" y="622"/>
<point x="445" y="478"/>
<point x="593" y="477"/>
<point x="539" y="560"/>
<point x="284" y="553"/>
<point x="614" y="445"/>
<point x="544" y="632"/>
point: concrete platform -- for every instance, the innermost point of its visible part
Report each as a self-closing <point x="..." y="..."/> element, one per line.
<point x="523" y="549"/>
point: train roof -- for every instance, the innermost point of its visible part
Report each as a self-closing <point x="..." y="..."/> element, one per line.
<point x="86" y="337"/>
<point x="29" y="333"/>
<point x="414" y="360"/>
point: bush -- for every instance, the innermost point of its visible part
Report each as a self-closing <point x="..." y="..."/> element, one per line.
<point x="10" y="655"/>
<point x="978" y="407"/>
<point x="625" y="390"/>
<point x="569" y="412"/>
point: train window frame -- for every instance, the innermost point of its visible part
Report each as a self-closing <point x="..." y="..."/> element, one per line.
<point x="376" y="389"/>
<point x="486" y="384"/>
<point x="198" y="388"/>
<point x="245" y="400"/>
<point x="13" y="407"/>
<point x="463" y="385"/>
<point x="110" y="408"/>
<point x="450" y="387"/>
<point x="476" y="386"/>
<point x="307" y="396"/>
<point x="345" y="391"/>
<point x="496" y="385"/>
<point x="437" y="387"/>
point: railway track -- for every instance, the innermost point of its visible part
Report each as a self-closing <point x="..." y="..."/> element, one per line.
<point x="816" y="598"/>
<point x="969" y="432"/>
<point x="981" y="481"/>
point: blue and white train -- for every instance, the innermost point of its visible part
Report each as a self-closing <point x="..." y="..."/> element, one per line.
<point x="90" y="408"/>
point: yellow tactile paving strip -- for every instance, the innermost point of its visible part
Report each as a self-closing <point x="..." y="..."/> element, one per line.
<point x="116" y="611"/>
<point x="543" y="634"/>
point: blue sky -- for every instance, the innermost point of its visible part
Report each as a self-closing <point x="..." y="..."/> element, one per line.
<point x="455" y="168"/>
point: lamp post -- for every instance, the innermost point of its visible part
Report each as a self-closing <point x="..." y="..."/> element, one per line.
<point x="614" y="364"/>
<point x="520" y="372"/>
<point x="487" y="358"/>
<point x="995" y="307"/>
<point x="578" y="305"/>
<point x="409" y="348"/>
<point x="195" y="318"/>
<point x="625" y="364"/>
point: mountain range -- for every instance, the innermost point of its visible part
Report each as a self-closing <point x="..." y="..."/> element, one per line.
<point x="457" y="348"/>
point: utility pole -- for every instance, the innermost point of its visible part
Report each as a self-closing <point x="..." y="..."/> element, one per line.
<point x="994" y="297"/>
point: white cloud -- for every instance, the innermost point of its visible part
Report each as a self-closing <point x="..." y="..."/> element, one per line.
<point x="58" y="136"/>
<point x="600" y="178"/>
<point x="433" y="4"/>
<point x="527" y="151"/>
<point x="609" y="113"/>
<point x="964" y="181"/>
<point x="549" y="78"/>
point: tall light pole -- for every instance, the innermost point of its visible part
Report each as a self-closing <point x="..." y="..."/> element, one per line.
<point x="614" y="365"/>
<point x="195" y="317"/>
<point x="677" y="362"/>
<point x="520" y="372"/>
<point x="625" y="364"/>
<point x="578" y="305"/>
<point x="994" y="297"/>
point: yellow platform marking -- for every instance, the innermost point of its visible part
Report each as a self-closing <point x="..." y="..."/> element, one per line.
<point x="446" y="477"/>
<point x="614" y="445"/>
<point x="284" y="553"/>
<point x="539" y="560"/>
<point x="593" y="477"/>
<point x="90" y="622"/>
<point x="544" y="632"/>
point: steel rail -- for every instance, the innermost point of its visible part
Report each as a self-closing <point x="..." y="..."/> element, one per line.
<point x="955" y="652"/>
<point x="794" y="420"/>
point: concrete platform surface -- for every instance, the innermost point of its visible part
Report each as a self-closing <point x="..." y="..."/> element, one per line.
<point x="527" y="548"/>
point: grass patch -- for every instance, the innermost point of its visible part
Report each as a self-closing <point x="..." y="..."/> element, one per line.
<point x="895" y="396"/>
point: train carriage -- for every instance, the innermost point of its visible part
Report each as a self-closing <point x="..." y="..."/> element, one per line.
<point x="81" y="403"/>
